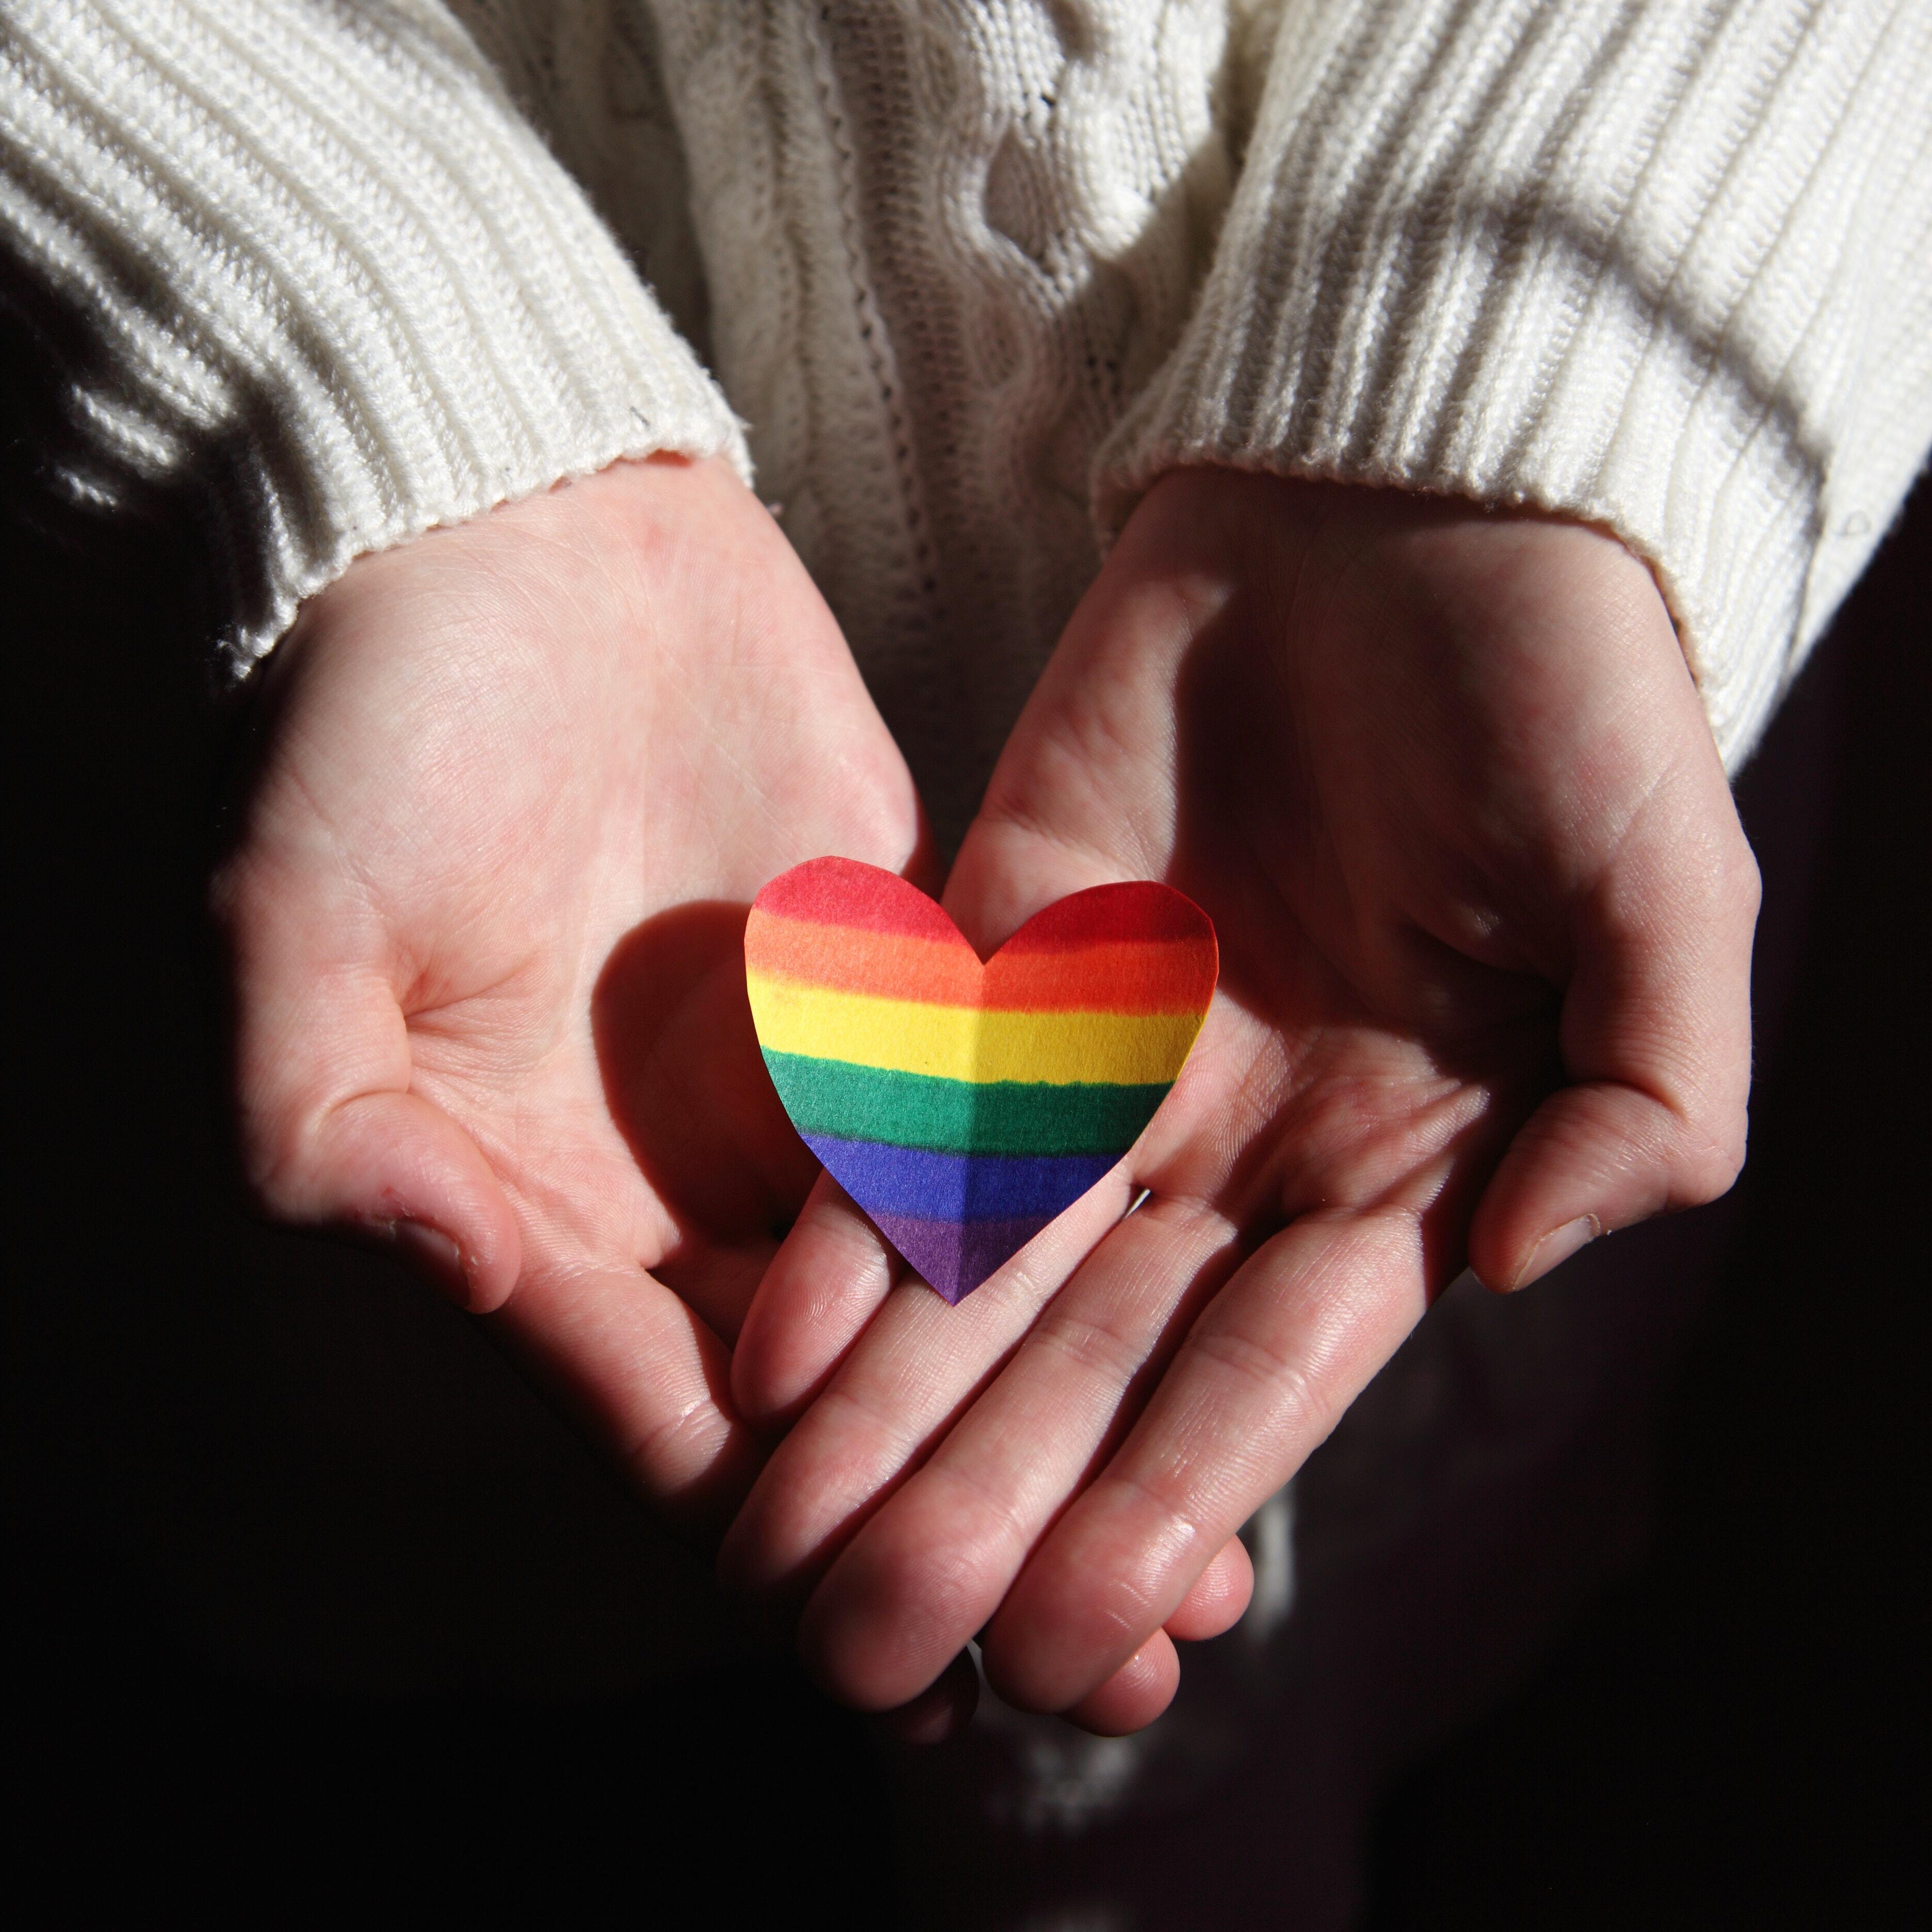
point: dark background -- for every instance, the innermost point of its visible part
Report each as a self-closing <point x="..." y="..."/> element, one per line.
<point x="304" y="1588"/>
<point x="1737" y="1733"/>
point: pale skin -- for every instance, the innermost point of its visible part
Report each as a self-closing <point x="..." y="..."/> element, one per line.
<point x="518" y="782"/>
<point x="1440" y="778"/>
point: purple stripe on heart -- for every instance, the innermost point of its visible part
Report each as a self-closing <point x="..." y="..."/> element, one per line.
<point x="955" y="1256"/>
<point x="985" y="1187"/>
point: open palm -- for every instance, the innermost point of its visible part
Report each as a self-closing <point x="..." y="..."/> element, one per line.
<point x="517" y="785"/>
<point x="1443" y="783"/>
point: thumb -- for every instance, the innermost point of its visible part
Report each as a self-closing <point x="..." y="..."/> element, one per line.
<point x="331" y="1135"/>
<point x="1655" y="1036"/>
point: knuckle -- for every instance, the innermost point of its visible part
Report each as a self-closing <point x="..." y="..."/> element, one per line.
<point x="873" y="1436"/>
<point x="1247" y="1360"/>
<point x="1093" y="1347"/>
<point x="939" y="1589"/>
<point x="904" y="1611"/>
<point x="1170" y="1535"/>
<point x="663" y="1454"/>
<point x="987" y="1526"/>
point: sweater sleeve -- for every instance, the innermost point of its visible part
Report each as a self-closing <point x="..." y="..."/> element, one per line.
<point x="1662" y="265"/>
<point x="328" y="278"/>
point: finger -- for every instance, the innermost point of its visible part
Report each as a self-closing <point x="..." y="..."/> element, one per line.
<point x="717" y="1279"/>
<point x="915" y="1371"/>
<point x="931" y="1565"/>
<point x="1219" y="1598"/>
<point x="331" y="1133"/>
<point x="829" y="1277"/>
<point x="1264" y="1373"/>
<point x="1134" y="1695"/>
<point x="646" y="1376"/>
<point x="1655" y="1037"/>
<point x="940" y="1711"/>
<point x="902" y="1386"/>
<point x="395" y="1168"/>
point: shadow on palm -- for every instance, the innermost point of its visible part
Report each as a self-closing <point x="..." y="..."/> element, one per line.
<point x="688" y="1090"/>
<point x="1354" y="1058"/>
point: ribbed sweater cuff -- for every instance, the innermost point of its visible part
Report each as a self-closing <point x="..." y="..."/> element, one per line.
<point x="1657" y="267"/>
<point x="328" y="278"/>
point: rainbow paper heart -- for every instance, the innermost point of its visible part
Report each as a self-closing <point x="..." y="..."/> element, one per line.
<point x="963" y="1105"/>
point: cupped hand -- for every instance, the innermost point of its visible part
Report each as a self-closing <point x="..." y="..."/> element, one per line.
<point x="1442" y="781"/>
<point x="516" y="785"/>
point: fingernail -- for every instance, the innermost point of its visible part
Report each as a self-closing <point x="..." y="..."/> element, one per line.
<point x="433" y="1251"/>
<point x="1556" y="1248"/>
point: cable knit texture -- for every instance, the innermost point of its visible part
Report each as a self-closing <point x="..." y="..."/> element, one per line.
<point x="975" y="271"/>
<point x="332" y="272"/>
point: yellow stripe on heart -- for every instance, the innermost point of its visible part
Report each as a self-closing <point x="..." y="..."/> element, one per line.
<point x="969" y="1042"/>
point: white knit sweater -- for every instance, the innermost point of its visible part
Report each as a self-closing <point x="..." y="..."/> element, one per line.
<point x="973" y="272"/>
